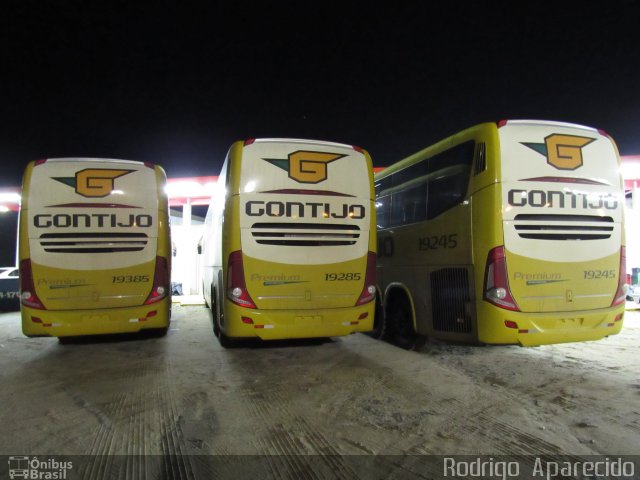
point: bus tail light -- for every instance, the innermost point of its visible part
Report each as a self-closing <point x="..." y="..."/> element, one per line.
<point x="621" y="293"/>
<point x="28" y="296"/>
<point x="160" y="287"/>
<point x="236" y="286"/>
<point x="369" y="289"/>
<point x="496" y="282"/>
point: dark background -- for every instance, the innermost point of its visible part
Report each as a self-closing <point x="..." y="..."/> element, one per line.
<point x="177" y="83"/>
<point x="8" y="239"/>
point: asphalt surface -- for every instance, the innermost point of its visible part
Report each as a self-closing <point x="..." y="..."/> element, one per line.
<point x="181" y="406"/>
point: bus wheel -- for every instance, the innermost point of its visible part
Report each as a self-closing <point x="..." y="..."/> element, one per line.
<point x="225" y="342"/>
<point x="159" y="332"/>
<point x="214" y="313"/>
<point x="400" y="331"/>
<point x="380" y="330"/>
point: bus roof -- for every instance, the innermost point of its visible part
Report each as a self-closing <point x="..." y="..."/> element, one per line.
<point x="297" y="140"/>
<point x="443" y="142"/>
<point x="502" y="123"/>
<point x="91" y="159"/>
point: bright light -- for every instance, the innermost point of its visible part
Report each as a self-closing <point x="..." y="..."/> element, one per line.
<point x="189" y="188"/>
<point x="250" y="186"/>
<point x="630" y="170"/>
<point x="10" y="197"/>
<point x="4" y="209"/>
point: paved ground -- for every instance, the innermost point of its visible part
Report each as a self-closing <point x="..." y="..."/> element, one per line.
<point x="181" y="398"/>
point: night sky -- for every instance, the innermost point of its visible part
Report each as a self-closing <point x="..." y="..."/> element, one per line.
<point x="177" y="83"/>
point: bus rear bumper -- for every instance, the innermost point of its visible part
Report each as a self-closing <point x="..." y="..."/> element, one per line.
<point x="531" y="329"/>
<point x="69" y="323"/>
<point x="288" y="324"/>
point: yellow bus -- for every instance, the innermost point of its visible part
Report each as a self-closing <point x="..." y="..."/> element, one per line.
<point x="289" y="248"/>
<point x="504" y="233"/>
<point x="94" y="248"/>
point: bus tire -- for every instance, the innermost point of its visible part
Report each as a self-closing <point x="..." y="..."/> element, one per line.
<point x="225" y="341"/>
<point x="400" y="331"/>
<point x="215" y="313"/>
<point x="379" y="331"/>
<point x="159" y="332"/>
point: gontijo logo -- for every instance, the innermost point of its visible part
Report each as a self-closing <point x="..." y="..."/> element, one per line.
<point x="563" y="152"/>
<point x="305" y="166"/>
<point x="94" y="182"/>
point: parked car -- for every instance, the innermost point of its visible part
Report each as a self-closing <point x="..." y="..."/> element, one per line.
<point x="633" y="293"/>
<point x="9" y="289"/>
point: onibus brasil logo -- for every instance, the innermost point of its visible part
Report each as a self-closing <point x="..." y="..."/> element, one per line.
<point x="94" y="182"/>
<point x="35" y="468"/>
<point x="563" y="152"/>
<point x="305" y="166"/>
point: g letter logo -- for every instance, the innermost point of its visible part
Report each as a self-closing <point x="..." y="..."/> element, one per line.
<point x="306" y="167"/>
<point x="93" y="182"/>
<point x="563" y="152"/>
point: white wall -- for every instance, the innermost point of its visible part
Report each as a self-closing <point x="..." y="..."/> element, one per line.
<point x="185" y="268"/>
